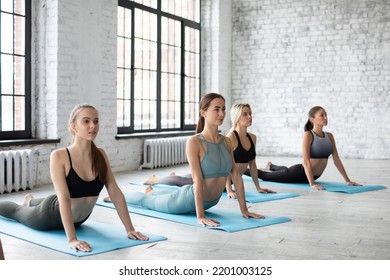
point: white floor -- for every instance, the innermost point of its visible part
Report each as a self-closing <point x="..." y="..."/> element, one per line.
<point x="324" y="225"/>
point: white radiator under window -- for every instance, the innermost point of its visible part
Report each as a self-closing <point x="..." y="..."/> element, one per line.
<point x="18" y="170"/>
<point x="163" y="152"/>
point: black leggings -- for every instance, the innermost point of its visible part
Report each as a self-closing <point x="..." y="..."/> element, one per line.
<point x="283" y="174"/>
<point x="42" y="214"/>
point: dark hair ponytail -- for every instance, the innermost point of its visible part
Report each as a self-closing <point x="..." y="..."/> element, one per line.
<point x="204" y="104"/>
<point x="200" y="125"/>
<point x="309" y="125"/>
<point x="99" y="165"/>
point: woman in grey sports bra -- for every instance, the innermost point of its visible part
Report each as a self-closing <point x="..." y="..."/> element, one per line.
<point x="317" y="146"/>
<point x="209" y="155"/>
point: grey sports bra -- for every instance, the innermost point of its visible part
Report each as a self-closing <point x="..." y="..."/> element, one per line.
<point x="321" y="147"/>
<point x="217" y="160"/>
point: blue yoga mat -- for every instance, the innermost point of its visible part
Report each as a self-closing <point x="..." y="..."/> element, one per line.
<point x="251" y="195"/>
<point x="101" y="237"/>
<point x="329" y="186"/>
<point x="230" y="221"/>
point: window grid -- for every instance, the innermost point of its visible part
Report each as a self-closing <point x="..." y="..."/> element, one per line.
<point x="15" y="98"/>
<point x="156" y="98"/>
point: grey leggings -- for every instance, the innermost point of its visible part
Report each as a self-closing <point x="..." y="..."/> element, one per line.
<point x="173" y="201"/>
<point x="42" y="214"/>
<point x="175" y="180"/>
<point x="283" y="174"/>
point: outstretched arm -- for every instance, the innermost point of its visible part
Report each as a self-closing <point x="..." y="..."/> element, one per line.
<point x="117" y="197"/>
<point x="229" y="188"/>
<point x="339" y="165"/>
<point x="239" y="187"/>
<point x="306" y="143"/>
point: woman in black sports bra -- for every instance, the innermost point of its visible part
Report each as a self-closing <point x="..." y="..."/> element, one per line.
<point x="244" y="144"/>
<point x="78" y="173"/>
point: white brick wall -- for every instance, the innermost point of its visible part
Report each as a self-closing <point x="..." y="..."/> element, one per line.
<point x="282" y="57"/>
<point x="291" y="55"/>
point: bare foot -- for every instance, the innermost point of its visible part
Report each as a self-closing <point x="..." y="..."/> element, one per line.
<point x="27" y="198"/>
<point x="267" y="166"/>
<point x="151" y="180"/>
<point x="149" y="190"/>
<point x="107" y="199"/>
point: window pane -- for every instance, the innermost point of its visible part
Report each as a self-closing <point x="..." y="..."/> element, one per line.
<point x="7" y="70"/>
<point x="19" y="113"/>
<point x="7" y="113"/>
<point x="19" y="35"/>
<point x="7" y="38"/>
<point x="19" y="76"/>
<point x="7" y="6"/>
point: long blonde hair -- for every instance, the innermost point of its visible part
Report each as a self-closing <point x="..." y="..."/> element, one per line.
<point x="99" y="165"/>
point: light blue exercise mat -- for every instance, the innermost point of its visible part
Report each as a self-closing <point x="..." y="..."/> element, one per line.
<point x="101" y="237"/>
<point x="329" y="186"/>
<point x="230" y="221"/>
<point x="251" y="195"/>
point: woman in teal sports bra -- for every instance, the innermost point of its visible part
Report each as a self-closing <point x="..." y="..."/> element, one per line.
<point x="78" y="173"/>
<point x="209" y="156"/>
<point x="244" y="146"/>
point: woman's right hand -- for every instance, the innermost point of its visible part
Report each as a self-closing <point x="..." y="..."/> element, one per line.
<point x="208" y="222"/>
<point x="317" y="187"/>
<point x="79" y="245"/>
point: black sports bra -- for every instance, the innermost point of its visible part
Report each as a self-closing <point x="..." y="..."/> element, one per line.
<point x="80" y="188"/>
<point x="240" y="154"/>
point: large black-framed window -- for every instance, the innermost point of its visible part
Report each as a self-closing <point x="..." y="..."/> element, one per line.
<point x="158" y="68"/>
<point x="15" y="69"/>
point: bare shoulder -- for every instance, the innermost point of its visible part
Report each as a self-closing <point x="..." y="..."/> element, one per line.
<point x="252" y="136"/>
<point x="330" y="135"/>
<point x="59" y="154"/>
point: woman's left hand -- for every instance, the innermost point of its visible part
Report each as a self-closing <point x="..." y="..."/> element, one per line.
<point x="352" y="183"/>
<point x="248" y="214"/>
<point x="137" y="235"/>
<point x="261" y="190"/>
<point x="232" y="195"/>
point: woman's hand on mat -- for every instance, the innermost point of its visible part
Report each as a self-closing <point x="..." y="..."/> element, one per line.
<point x="232" y="195"/>
<point x="208" y="222"/>
<point x="79" y="245"/>
<point x="317" y="187"/>
<point x="246" y="214"/>
<point x="352" y="183"/>
<point x="261" y="190"/>
<point x="137" y="235"/>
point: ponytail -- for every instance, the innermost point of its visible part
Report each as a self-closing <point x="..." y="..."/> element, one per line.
<point x="308" y="125"/>
<point x="312" y="112"/>
<point x="99" y="165"/>
<point x="200" y="126"/>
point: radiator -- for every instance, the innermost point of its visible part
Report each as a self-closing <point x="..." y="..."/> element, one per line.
<point x="18" y="169"/>
<point x="163" y="152"/>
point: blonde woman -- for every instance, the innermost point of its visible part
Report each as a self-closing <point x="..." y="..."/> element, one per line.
<point x="244" y="146"/>
<point x="79" y="173"/>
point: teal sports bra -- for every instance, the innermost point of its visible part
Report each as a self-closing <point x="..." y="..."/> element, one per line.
<point x="217" y="160"/>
